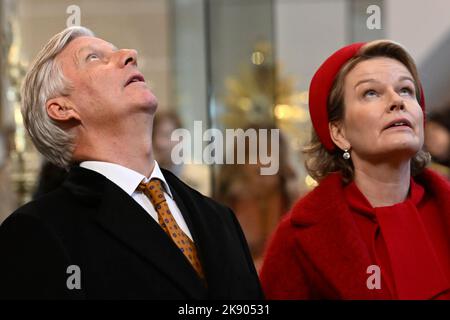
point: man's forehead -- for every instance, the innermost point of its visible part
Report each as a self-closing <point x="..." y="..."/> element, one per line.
<point x="83" y="43"/>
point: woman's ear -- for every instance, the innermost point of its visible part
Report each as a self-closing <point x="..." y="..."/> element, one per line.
<point x="337" y="133"/>
<point x="61" y="109"/>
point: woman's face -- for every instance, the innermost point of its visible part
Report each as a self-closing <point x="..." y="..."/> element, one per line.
<point x="383" y="119"/>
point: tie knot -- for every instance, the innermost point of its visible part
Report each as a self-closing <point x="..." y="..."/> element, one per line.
<point x="154" y="191"/>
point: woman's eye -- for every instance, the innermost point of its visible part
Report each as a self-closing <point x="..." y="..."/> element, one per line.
<point x="406" y="91"/>
<point x="370" y="93"/>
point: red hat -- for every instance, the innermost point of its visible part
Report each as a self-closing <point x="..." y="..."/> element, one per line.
<point x="320" y="88"/>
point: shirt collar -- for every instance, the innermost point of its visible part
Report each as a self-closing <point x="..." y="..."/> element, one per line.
<point x="127" y="179"/>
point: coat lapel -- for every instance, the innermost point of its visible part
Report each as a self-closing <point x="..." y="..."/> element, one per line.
<point x="205" y="226"/>
<point x="125" y="220"/>
<point x="330" y="239"/>
<point x="439" y="188"/>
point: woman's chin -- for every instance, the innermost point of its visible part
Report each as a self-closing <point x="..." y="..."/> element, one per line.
<point x="402" y="150"/>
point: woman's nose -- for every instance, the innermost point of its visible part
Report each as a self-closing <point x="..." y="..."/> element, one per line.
<point x="396" y="102"/>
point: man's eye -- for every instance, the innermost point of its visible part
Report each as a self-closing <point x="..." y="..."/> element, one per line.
<point x="91" y="56"/>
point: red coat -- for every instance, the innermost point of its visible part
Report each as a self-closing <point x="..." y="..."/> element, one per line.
<point x="317" y="252"/>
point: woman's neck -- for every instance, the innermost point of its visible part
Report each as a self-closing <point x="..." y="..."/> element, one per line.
<point x="383" y="184"/>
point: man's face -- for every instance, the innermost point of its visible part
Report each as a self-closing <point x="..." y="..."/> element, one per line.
<point x="106" y="84"/>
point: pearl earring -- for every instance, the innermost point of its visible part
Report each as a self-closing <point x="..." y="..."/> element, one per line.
<point x="346" y="154"/>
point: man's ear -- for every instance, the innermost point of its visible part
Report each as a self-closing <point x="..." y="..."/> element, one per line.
<point x="337" y="133"/>
<point x="61" y="109"/>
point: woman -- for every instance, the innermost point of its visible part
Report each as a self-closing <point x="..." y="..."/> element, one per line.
<point x="378" y="224"/>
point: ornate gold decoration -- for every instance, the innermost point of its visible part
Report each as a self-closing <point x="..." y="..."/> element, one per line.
<point x="259" y="94"/>
<point x="25" y="159"/>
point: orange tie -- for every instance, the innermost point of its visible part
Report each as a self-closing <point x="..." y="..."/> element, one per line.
<point x="154" y="191"/>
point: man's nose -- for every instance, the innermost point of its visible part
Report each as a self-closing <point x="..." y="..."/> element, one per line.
<point x="128" y="56"/>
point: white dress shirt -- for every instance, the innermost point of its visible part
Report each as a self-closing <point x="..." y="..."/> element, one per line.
<point x="128" y="180"/>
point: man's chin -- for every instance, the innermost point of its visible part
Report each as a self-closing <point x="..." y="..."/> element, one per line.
<point x="147" y="104"/>
<point x="149" y="107"/>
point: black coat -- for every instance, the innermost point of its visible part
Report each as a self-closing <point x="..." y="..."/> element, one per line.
<point x="121" y="251"/>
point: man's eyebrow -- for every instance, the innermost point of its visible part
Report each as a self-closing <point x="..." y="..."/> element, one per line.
<point x="113" y="47"/>
<point x="90" y="47"/>
<point x="79" y="51"/>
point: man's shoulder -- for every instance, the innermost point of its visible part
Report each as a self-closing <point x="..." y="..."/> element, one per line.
<point x="32" y="207"/>
<point x="31" y="221"/>
<point x="51" y="209"/>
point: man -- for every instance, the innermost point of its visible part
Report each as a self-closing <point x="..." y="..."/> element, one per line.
<point x="105" y="233"/>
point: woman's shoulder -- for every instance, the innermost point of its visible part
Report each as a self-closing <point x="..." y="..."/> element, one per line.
<point x="328" y="195"/>
<point x="432" y="181"/>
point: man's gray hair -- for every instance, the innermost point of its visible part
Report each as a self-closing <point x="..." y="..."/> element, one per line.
<point x="45" y="80"/>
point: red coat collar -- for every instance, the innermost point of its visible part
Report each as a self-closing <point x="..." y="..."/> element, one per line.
<point x="327" y="234"/>
<point x="357" y="201"/>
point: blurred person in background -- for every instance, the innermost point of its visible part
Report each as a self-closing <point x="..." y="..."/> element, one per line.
<point x="437" y="139"/>
<point x="378" y="224"/>
<point x="259" y="201"/>
<point x="164" y="123"/>
<point x="195" y="175"/>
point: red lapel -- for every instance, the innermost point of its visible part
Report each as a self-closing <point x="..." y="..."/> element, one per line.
<point x="330" y="239"/>
<point x="439" y="188"/>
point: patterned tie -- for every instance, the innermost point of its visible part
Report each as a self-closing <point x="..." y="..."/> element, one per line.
<point x="154" y="191"/>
